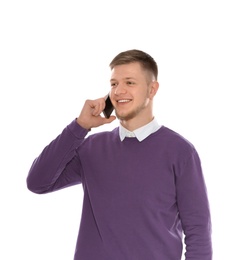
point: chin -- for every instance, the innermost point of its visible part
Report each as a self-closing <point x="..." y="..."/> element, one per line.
<point x="125" y="116"/>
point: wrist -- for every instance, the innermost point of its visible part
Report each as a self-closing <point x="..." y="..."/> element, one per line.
<point x="83" y="124"/>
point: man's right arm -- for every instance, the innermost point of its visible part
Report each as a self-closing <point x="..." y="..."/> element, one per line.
<point x="58" y="166"/>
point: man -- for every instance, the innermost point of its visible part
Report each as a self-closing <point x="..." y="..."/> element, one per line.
<point x="143" y="183"/>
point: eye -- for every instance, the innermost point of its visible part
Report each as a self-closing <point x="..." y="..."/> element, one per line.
<point x="113" y="84"/>
<point x="130" y="83"/>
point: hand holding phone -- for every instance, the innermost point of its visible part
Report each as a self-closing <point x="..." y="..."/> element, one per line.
<point x="90" y="114"/>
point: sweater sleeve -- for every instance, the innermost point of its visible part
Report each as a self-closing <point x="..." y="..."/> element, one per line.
<point x="194" y="210"/>
<point x="58" y="165"/>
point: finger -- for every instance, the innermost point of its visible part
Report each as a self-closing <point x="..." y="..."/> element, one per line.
<point x="102" y="105"/>
<point x="96" y="108"/>
<point x="99" y="106"/>
<point x="109" y="120"/>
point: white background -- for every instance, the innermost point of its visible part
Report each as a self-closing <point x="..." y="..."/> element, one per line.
<point x="55" y="54"/>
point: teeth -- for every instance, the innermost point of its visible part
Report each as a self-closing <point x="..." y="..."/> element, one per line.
<point x="123" y="100"/>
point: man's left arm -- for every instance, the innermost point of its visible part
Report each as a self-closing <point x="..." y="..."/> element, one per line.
<point x="194" y="210"/>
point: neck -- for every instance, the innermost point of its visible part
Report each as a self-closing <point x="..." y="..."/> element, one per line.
<point x="133" y="124"/>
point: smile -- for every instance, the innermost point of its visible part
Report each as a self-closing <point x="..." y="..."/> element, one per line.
<point x="124" y="100"/>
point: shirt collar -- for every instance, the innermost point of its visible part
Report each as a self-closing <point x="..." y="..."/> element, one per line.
<point x="140" y="133"/>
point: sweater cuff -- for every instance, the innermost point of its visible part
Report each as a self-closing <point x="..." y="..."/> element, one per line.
<point x="78" y="131"/>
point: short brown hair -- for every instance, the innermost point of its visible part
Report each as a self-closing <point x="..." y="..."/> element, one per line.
<point x="146" y="61"/>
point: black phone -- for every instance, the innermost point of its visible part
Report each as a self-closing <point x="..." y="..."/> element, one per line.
<point x="108" y="107"/>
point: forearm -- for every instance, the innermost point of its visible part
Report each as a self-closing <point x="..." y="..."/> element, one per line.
<point x="196" y="221"/>
<point x="51" y="164"/>
<point x="198" y="242"/>
<point x="194" y="211"/>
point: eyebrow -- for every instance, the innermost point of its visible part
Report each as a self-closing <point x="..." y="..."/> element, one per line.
<point x="127" y="78"/>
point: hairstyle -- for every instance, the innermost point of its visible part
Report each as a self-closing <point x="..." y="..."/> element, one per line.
<point x="146" y="61"/>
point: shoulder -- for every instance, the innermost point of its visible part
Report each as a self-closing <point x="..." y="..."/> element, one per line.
<point x="170" y="136"/>
<point x="104" y="136"/>
<point x="172" y="141"/>
<point x="100" y="143"/>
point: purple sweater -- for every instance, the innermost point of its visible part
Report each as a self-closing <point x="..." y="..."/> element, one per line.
<point x="139" y="197"/>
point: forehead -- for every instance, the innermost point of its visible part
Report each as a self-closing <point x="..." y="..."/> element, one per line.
<point x="130" y="70"/>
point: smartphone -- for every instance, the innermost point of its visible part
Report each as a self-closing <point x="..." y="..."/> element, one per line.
<point x="108" y="107"/>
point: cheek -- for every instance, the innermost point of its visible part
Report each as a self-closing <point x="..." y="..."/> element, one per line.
<point x="111" y="94"/>
<point x="143" y="99"/>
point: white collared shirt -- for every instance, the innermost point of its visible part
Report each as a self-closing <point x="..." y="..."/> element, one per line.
<point x="140" y="133"/>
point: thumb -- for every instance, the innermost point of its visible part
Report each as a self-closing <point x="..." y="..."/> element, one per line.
<point x="109" y="120"/>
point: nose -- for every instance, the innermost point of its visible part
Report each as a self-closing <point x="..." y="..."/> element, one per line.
<point x="119" y="89"/>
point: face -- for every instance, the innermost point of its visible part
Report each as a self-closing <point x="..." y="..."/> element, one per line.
<point x="132" y="90"/>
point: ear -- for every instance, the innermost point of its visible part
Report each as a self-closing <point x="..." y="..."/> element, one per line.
<point x="154" y="86"/>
